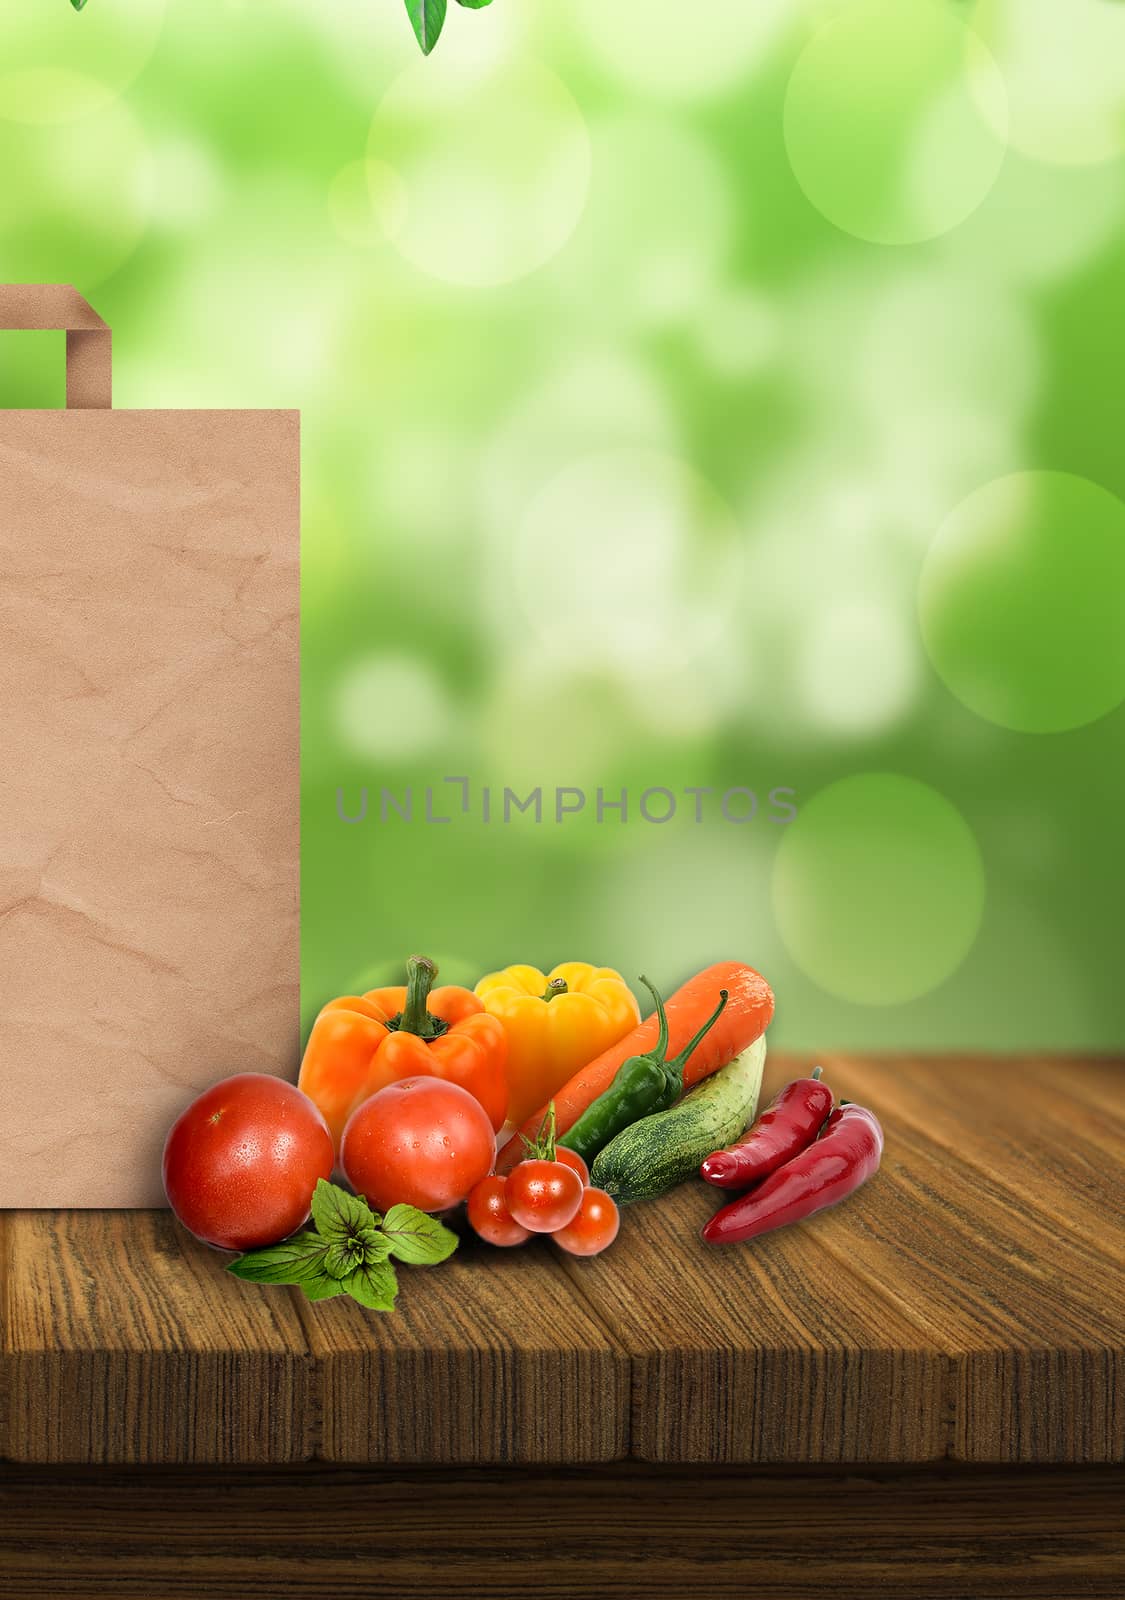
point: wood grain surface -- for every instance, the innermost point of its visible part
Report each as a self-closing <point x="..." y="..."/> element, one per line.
<point x="777" y="1353"/>
<point x="579" y="1534"/>
<point x="123" y="1340"/>
<point x="985" y="1226"/>
<point x="969" y="1304"/>
<point x="491" y="1358"/>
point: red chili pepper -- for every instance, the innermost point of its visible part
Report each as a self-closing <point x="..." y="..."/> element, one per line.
<point x="825" y="1172"/>
<point x="791" y="1122"/>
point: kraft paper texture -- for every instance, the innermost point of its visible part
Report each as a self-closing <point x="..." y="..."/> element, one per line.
<point x="148" y="775"/>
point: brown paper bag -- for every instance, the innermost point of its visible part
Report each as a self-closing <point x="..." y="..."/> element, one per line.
<point x="148" y="768"/>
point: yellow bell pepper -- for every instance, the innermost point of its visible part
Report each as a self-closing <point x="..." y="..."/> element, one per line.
<point x="556" y="1022"/>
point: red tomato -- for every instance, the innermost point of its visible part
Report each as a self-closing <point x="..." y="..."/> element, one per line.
<point x="543" y="1195"/>
<point x="421" y="1142"/>
<point x="241" y="1163"/>
<point x="594" y="1226"/>
<point x="473" y="1054"/>
<point x="571" y="1158"/>
<point x="489" y="1215"/>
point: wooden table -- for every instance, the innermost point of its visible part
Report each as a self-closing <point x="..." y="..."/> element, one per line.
<point x="927" y="1380"/>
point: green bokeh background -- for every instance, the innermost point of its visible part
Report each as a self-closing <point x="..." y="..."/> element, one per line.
<point x="622" y="461"/>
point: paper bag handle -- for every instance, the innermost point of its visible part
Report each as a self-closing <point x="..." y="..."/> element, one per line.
<point x="89" y="343"/>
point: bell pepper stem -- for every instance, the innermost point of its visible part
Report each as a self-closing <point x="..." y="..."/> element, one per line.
<point x="660" y="1048"/>
<point x="415" y="1016"/>
<point x="816" y="1072"/>
<point x="556" y="987"/>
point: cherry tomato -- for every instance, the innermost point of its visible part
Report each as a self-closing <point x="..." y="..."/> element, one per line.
<point x="241" y="1163"/>
<point x="489" y="1215"/>
<point x="543" y="1195"/>
<point x="421" y="1141"/>
<point x="571" y="1158"/>
<point x="593" y="1227"/>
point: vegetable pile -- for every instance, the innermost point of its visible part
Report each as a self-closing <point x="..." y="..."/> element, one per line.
<point x="405" y="1092"/>
<point x="745" y="1018"/>
<point x="549" y="1191"/>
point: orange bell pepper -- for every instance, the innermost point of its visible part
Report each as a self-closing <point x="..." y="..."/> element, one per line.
<point x="556" y="1022"/>
<point x="360" y="1043"/>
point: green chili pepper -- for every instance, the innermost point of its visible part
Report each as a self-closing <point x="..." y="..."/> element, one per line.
<point x="642" y="1085"/>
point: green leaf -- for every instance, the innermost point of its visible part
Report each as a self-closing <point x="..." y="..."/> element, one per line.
<point x="417" y="1239"/>
<point x="78" y="4"/>
<point x="295" y="1260"/>
<point x="338" y="1215"/>
<point x="342" y="1257"/>
<point x="427" y="18"/>
<point x="322" y="1288"/>
<point x="374" y="1285"/>
<point x="377" y="1248"/>
<point x="470" y="5"/>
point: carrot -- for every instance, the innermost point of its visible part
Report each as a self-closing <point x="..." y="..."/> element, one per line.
<point x="745" y="1018"/>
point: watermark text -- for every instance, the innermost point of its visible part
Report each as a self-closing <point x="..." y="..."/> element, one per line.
<point x="453" y="799"/>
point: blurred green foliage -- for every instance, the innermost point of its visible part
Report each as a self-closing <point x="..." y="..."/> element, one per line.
<point x="622" y="461"/>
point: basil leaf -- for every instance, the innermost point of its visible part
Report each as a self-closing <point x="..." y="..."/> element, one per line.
<point x="471" y="5"/>
<point x="375" y="1248"/>
<point x="295" y="1260"/>
<point x="417" y="1239"/>
<point x="426" y="18"/>
<point x="338" y="1215"/>
<point x="322" y="1288"/>
<point x="374" y="1285"/>
<point x="342" y="1257"/>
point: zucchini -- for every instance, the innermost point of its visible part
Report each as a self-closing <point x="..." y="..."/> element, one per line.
<point x="660" y="1151"/>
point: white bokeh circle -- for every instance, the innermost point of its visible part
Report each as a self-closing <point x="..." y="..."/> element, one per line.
<point x="595" y="398"/>
<point x="56" y="65"/>
<point x="1064" y="67"/>
<point x="878" y="889"/>
<point x="491" y="165"/>
<point x="1022" y="599"/>
<point x="626" y="558"/>
<point x="183" y="184"/>
<point x="858" y="667"/>
<point x="885" y="120"/>
<point x="1041" y="222"/>
<point x="547" y="722"/>
<point x="391" y="708"/>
